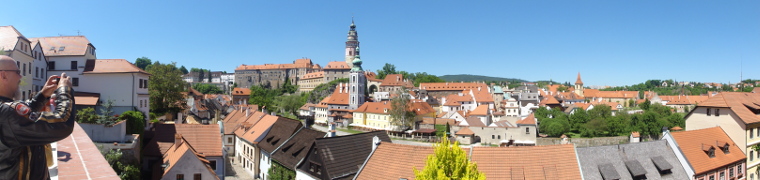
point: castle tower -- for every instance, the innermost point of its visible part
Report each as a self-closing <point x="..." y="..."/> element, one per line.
<point x="352" y="44"/>
<point x="357" y="83"/>
<point x="579" y="85"/>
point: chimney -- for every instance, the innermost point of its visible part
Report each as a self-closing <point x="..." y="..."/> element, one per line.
<point x="340" y="87"/>
<point x="247" y="112"/>
<point x="177" y="139"/>
<point x="375" y="142"/>
<point x="331" y="130"/>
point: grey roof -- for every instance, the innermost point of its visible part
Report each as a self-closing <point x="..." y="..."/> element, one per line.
<point x="627" y="160"/>
<point x="351" y="152"/>
<point x="295" y="149"/>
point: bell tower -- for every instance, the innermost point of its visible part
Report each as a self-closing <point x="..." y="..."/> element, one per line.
<point x="579" y="85"/>
<point x="352" y="43"/>
<point x="357" y="83"/>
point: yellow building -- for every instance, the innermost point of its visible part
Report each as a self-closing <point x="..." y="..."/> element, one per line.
<point x="376" y="115"/>
<point x="739" y="116"/>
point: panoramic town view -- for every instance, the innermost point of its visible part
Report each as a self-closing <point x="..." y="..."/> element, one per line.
<point x="199" y="90"/>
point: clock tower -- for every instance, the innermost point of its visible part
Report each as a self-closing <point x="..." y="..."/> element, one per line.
<point x="352" y="43"/>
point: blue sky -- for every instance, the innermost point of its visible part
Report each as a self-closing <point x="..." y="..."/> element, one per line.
<point x="609" y="42"/>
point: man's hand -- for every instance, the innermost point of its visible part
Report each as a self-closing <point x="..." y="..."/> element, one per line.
<point x="53" y="83"/>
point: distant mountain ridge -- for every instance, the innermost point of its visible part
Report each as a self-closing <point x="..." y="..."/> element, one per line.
<point x="470" y="78"/>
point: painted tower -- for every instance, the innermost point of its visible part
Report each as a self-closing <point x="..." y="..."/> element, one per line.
<point x="357" y="83"/>
<point x="579" y="85"/>
<point x="352" y="44"/>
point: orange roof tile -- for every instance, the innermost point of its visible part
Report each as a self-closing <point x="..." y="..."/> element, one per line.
<point x="549" y="100"/>
<point x="111" y="66"/>
<point x="530" y="120"/>
<point x="394" y="161"/>
<point x="337" y="65"/>
<point x="340" y="95"/>
<point x="396" y="80"/>
<point x="692" y="142"/>
<point x="738" y="102"/>
<point x="178" y="150"/>
<point x="314" y="75"/>
<point x="323" y="103"/>
<point x="455" y="99"/>
<point x="611" y="94"/>
<point x="205" y="138"/>
<point x="241" y="92"/>
<point x="561" y="164"/>
<point x="578" y="81"/>
<point x="374" y="107"/>
<point x="421" y="108"/>
<point x="73" y="45"/>
<point x="449" y="86"/>
<point x="9" y="37"/>
<point x="300" y="63"/>
<point x="481" y="110"/>
<point x="465" y="131"/>
<point x="635" y="134"/>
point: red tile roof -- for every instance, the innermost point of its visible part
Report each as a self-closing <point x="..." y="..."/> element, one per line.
<point x="465" y="131"/>
<point x="178" y="149"/>
<point x="73" y="45"/>
<point x="611" y="94"/>
<point x="578" y="81"/>
<point x="9" y="38"/>
<point x="739" y="102"/>
<point x="481" y="110"/>
<point x="336" y="65"/>
<point x="301" y="63"/>
<point x="449" y="86"/>
<point x="538" y="162"/>
<point x="340" y="95"/>
<point x="206" y="138"/>
<point x="692" y="143"/>
<point x="101" y="66"/>
<point x="530" y="120"/>
<point x="375" y="107"/>
<point x="684" y="100"/>
<point x="314" y="75"/>
<point x="396" y="80"/>
<point x="241" y="91"/>
<point x="394" y="161"/>
<point x="472" y="122"/>
<point x="549" y="100"/>
<point x="83" y="159"/>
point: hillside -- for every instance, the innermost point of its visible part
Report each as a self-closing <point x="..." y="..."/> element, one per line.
<point x="470" y="78"/>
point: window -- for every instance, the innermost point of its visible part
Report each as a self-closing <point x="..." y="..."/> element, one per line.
<point x="717" y="112"/>
<point x="212" y="163"/>
<point x="61" y="48"/>
<point x="30" y="68"/>
<point x="197" y="176"/>
<point x="731" y="172"/>
<point x="708" y="111"/>
<point x="75" y="81"/>
<point x="751" y="155"/>
<point x="752" y="133"/>
<point x="527" y="130"/>
<point x="725" y="149"/>
<point x="145" y="84"/>
<point x="24" y="71"/>
<point x="722" y="175"/>
<point x="493" y="136"/>
<point x="36" y="72"/>
<point x="229" y="140"/>
<point x="73" y="65"/>
<point x="51" y="65"/>
<point x="180" y="177"/>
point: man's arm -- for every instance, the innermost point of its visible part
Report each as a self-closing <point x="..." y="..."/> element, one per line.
<point x="37" y="102"/>
<point x="49" y="128"/>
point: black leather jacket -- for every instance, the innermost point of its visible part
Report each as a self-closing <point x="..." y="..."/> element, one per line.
<point x="22" y="140"/>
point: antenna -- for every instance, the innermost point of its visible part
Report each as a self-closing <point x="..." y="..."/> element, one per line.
<point x="79" y="33"/>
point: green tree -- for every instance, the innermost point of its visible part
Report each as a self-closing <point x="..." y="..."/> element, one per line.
<point x="562" y="88"/>
<point x="288" y="87"/>
<point x="401" y="114"/>
<point x="135" y="121"/>
<point x="593" y="128"/>
<point x="554" y="127"/>
<point x="165" y="88"/>
<point x="200" y="75"/>
<point x="183" y="69"/>
<point x="288" y="104"/>
<point x="448" y="162"/>
<point x="578" y="119"/>
<point x="87" y="115"/>
<point x="208" y="72"/>
<point x="645" y="105"/>
<point x="387" y="69"/>
<point x="142" y="62"/>
<point x="279" y="172"/>
<point x="423" y="77"/>
<point x="263" y="97"/>
<point x="207" y="88"/>
<point x="105" y="114"/>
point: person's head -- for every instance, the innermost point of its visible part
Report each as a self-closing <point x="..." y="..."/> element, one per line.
<point x="10" y="77"/>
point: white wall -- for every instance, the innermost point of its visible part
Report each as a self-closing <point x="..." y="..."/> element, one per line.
<point x="303" y="176"/>
<point x="189" y="165"/>
<point x="123" y="88"/>
<point x="265" y="162"/>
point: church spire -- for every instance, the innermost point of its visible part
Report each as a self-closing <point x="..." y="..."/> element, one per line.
<point x="579" y="79"/>
<point x="352" y="43"/>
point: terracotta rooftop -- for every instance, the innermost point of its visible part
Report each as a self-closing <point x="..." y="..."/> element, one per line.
<point x="541" y="162"/>
<point x="578" y="81"/>
<point x="83" y="159"/>
<point x="481" y="110"/>
<point x="549" y="100"/>
<point x="241" y="91"/>
<point x="100" y="66"/>
<point x="610" y="94"/>
<point x="206" y="138"/>
<point x="374" y="107"/>
<point x="395" y="161"/>
<point x="472" y="122"/>
<point x="396" y="80"/>
<point x="340" y="95"/>
<point x="438" y="121"/>
<point x="314" y="75"/>
<point x="464" y="131"/>
<point x="178" y="150"/>
<point x="684" y="100"/>
<point x="455" y="99"/>
<point x="691" y="142"/>
<point x="530" y="120"/>
<point x="450" y="86"/>
<point x="296" y="64"/>
<point x="9" y="37"/>
<point x="742" y="104"/>
<point x="336" y="65"/>
<point x="72" y="45"/>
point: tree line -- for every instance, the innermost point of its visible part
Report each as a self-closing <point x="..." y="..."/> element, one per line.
<point x="599" y="121"/>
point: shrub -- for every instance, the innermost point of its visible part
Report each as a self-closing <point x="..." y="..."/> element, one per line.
<point x="135" y="121"/>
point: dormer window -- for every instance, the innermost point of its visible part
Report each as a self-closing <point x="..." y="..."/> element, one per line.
<point x="723" y="146"/>
<point x="61" y="48"/>
<point x="709" y="150"/>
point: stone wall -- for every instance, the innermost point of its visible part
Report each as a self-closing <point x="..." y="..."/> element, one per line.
<point x="101" y="133"/>
<point x="585" y="142"/>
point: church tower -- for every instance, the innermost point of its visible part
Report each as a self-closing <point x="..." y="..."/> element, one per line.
<point x="352" y="44"/>
<point x="357" y="83"/>
<point x="579" y="85"/>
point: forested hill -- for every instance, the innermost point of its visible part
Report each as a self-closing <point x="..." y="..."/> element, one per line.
<point x="470" y="78"/>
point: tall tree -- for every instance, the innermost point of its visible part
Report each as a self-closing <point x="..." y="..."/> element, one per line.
<point x="183" y="69"/>
<point x="401" y="112"/>
<point x="387" y="69"/>
<point x="207" y="88"/>
<point x="209" y="75"/>
<point x="165" y="88"/>
<point x="143" y="62"/>
<point x="448" y="162"/>
<point x="200" y="75"/>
